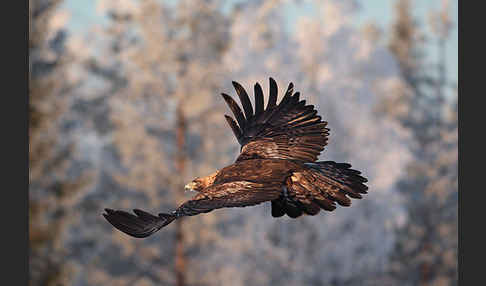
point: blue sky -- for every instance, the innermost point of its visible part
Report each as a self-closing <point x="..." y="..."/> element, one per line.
<point x="83" y="14"/>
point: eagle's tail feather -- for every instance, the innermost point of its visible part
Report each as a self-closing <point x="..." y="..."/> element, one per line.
<point x="334" y="182"/>
<point x="350" y="179"/>
<point x="140" y="225"/>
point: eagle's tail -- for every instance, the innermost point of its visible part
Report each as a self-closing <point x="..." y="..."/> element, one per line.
<point x="342" y="175"/>
<point x="140" y="225"/>
<point x="337" y="176"/>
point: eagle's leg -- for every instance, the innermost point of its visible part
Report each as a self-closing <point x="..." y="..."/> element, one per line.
<point x="285" y="192"/>
<point x="285" y="205"/>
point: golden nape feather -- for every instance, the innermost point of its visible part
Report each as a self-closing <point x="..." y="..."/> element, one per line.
<point x="278" y="163"/>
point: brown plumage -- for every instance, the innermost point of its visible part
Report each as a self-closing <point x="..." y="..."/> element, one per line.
<point x="277" y="163"/>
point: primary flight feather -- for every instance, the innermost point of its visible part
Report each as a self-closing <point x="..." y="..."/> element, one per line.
<point x="277" y="163"/>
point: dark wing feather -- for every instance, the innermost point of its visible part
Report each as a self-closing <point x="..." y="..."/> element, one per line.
<point x="234" y="127"/>
<point x="245" y="100"/>
<point x="227" y="195"/>
<point x="272" y="99"/>
<point x="235" y="109"/>
<point x="140" y="225"/>
<point x="258" y="99"/>
<point x="290" y="130"/>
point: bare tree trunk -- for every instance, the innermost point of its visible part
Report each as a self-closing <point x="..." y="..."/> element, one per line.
<point x="180" y="260"/>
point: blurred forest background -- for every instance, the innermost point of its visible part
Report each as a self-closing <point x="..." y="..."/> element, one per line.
<point x="127" y="110"/>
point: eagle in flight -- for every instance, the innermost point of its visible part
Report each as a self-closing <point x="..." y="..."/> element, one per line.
<point x="277" y="163"/>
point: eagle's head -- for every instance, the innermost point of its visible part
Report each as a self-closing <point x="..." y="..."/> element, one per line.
<point x="196" y="185"/>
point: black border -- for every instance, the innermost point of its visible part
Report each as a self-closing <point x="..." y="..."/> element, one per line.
<point x="460" y="147"/>
<point x="470" y="206"/>
<point x="15" y="122"/>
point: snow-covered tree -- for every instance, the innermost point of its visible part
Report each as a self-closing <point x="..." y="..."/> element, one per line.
<point x="53" y="183"/>
<point x="426" y="253"/>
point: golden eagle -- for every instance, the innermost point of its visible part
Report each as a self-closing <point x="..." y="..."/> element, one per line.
<point x="277" y="163"/>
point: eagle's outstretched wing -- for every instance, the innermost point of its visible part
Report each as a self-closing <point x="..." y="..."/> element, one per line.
<point x="227" y="195"/>
<point x="289" y="130"/>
